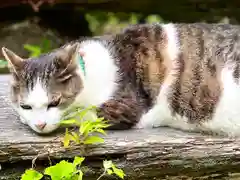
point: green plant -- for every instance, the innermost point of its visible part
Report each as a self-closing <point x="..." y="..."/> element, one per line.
<point x="110" y="168"/>
<point x="153" y="19"/>
<point x="31" y="174"/>
<point x="37" y="50"/>
<point x="88" y="126"/>
<point x="62" y="170"/>
<point x="71" y="171"/>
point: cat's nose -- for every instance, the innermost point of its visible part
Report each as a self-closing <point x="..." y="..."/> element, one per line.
<point x="41" y="125"/>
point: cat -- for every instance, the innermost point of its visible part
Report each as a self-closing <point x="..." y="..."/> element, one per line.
<point x="184" y="76"/>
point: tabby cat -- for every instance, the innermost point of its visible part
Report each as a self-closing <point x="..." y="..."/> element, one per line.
<point x="184" y="76"/>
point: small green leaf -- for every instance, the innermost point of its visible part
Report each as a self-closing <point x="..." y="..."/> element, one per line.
<point x="31" y="48"/>
<point x="101" y="125"/>
<point x="78" y="160"/>
<point x="75" y="137"/>
<point x="31" y="174"/>
<point x="46" y="45"/>
<point x="85" y="127"/>
<point x="109" y="171"/>
<point x="107" y="164"/>
<point x="66" y="139"/>
<point x="118" y="172"/>
<point x="80" y="176"/>
<point x="34" y="50"/>
<point x="68" y="121"/>
<point x="61" y="170"/>
<point x="101" y="131"/>
<point x="93" y="140"/>
<point x="85" y="111"/>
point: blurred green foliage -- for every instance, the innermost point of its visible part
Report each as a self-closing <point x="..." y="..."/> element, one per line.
<point x="100" y="22"/>
<point x="107" y="23"/>
<point x="37" y="50"/>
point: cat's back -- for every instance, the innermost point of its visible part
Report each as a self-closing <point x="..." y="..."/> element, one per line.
<point x="210" y="82"/>
<point x="201" y="86"/>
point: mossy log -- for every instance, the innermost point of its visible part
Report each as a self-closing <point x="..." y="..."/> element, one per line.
<point x="170" y="10"/>
<point x="160" y="153"/>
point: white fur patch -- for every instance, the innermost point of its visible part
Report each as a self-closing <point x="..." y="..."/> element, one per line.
<point x="160" y="114"/>
<point x="173" y="47"/>
<point x="38" y="96"/>
<point x="39" y="114"/>
<point x="101" y="75"/>
<point x="227" y="115"/>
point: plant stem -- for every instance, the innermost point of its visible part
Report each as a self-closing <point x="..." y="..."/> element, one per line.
<point x="103" y="174"/>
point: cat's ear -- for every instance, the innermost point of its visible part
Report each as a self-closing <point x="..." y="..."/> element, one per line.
<point x="67" y="55"/>
<point x="15" y="63"/>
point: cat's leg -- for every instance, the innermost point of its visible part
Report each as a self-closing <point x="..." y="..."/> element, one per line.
<point x="157" y="116"/>
<point x="123" y="113"/>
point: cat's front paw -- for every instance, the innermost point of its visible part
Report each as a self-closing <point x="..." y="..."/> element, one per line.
<point x="146" y="121"/>
<point x="138" y="126"/>
<point x="122" y="113"/>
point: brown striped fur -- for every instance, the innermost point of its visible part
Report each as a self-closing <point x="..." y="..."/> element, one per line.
<point x="150" y="57"/>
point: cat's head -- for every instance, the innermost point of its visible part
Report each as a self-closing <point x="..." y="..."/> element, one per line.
<point x="43" y="87"/>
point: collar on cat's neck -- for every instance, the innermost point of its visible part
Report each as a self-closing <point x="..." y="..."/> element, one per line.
<point x="82" y="63"/>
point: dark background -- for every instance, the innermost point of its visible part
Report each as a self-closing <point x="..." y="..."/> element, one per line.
<point x="31" y="27"/>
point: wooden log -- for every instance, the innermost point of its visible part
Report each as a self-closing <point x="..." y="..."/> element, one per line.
<point x="160" y="153"/>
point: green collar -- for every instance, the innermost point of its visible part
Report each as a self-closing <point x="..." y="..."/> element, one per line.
<point x="82" y="64"/>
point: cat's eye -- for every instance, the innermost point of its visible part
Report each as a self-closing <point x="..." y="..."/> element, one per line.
<point x="26" y="107"/>
<point x="54" y="103"/>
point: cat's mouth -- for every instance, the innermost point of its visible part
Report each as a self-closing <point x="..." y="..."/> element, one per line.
<point x="44" y="128"/>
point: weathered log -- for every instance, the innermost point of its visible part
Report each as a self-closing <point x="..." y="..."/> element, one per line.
<point x="160" y="153"/>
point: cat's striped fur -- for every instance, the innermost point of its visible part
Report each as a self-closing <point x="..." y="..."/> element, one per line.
<point x="184" y="76"/>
